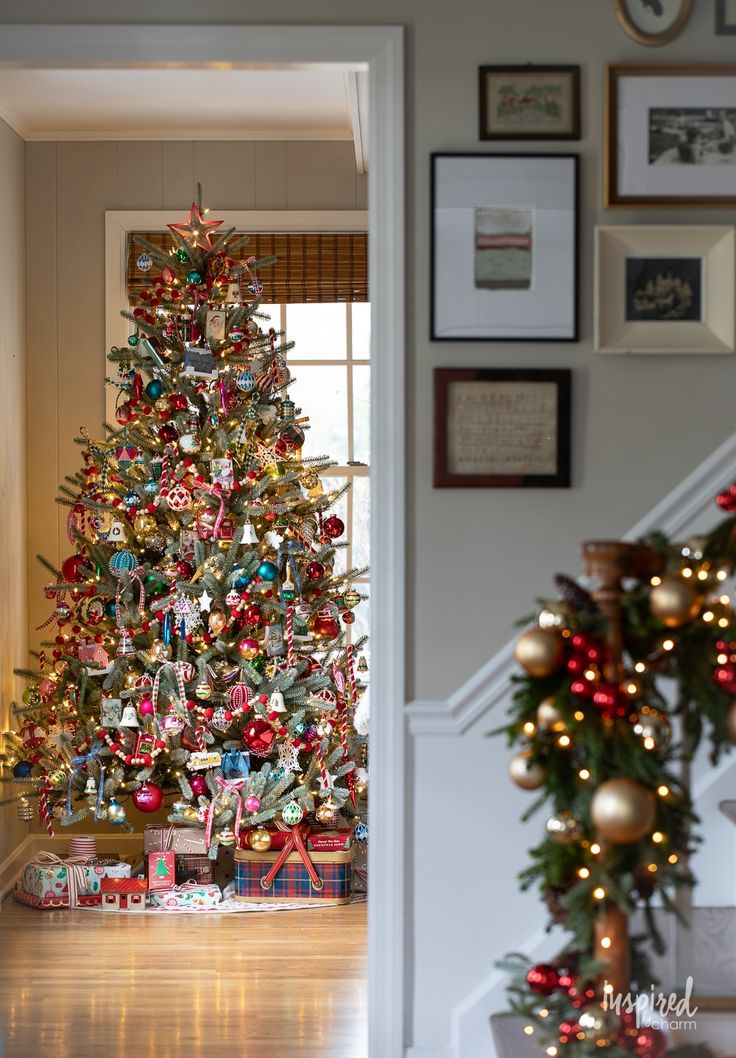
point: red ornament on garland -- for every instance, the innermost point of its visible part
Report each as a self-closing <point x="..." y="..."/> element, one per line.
<point x="198" y="785"/>
<point x="543" y="978"/>
<point x="70" y="569"/>
<point x="726" y="500"/>
<point x="650" y="1043"/>
<point x="724" y="678"/>
<point x="148" y="798"/>
<point x="315" y="571"/>
<point x="608" y="701"/>
<point x="333" y="527"/>
<point x="259" y="737"/>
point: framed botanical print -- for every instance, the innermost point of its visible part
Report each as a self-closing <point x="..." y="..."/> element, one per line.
<point x="504" y="247"/>
<point x="671" y="135"/>
<point x="653" y="22"/>
<point x="529" y="102"/>
<point x="500" y="428"/>
<point x="665" y="288"/>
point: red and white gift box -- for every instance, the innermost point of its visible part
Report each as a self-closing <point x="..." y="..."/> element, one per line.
<point x="159" y="837"/>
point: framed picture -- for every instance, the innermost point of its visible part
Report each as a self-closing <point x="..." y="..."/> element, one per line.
<point x="529" y="102"/>
<point x="504" y="247"/>
<point x="501" y="428"/>
<point x="671" y="135"/>
<point x="665" y="289"/>
<point x="725" y="16"/>
<point x="653" y="22"/>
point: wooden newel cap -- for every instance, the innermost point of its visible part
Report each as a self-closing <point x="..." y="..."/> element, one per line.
<point x="611" y="560"/>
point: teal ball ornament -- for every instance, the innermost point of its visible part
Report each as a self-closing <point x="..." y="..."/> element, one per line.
<point x="194" y="277"/>
<point x="268" y="571"/>
<point x="115" y="813"/>
<point x="110" y="609"/>
<point x="133" y="341"/>
<point x="241" y="583"/>
<point x="122" y="562"/>
<point x="245" y="381"/>
<point x="154" y="389"/>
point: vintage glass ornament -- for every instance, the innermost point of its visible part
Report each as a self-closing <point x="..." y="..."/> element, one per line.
<point x="178" y="498"/>
<point x="623" y="811"/>
<point x="225" y="837"/>
<point x="563" y="827"/>
<point x="268" y="571"/>
<point x="25" y="810"/>
<point x="539" y="651"/>
<point x="122" y="562"/>
<point x="115" y="813"/>
<point x="190" y="443"/>
<point x="154" y="389"/>
<point x="70" y="569"/>
<point x="259" y="737"/>
<point x="525" y="772"/>
<point x="198" y="784"/>
<point x="146" y="707"/>
<point x="168" y="433"/>
<point x="159" y="651"/>
<point x="249" y="648"/>
<point x="315" y="570"/>
<point x="259" y="840"/>
<point x="326" y="814"/>
<point x="674" y="601"/>
<point x="333" y="527"/>
<point x="155" y="541"/>
<point x="22" y="769"/>
<point x="216" y="621"/>
<point x="245" y="381"/>
<point x="252" y="803"/>
<point x="292" y="813"/>
<point x="149" y="797"/>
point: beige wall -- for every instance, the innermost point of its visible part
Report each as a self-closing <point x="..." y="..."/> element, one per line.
<point x="69" y="186"/>
<point x="13" y="609"/>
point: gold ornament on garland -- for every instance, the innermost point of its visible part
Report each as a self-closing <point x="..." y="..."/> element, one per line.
<point x="623" y="811"/>
<point x="549" y="717"/>
<point x="654" y="729"/>
<point x="526" y="773"/>
<point x="539" y="651"/>
<point x="259" y="840"/>
<point x="674" y="601"/>
<point x="599" y="1026"/>
<point x="563" y="828"/>
<point x="554" y="615"/>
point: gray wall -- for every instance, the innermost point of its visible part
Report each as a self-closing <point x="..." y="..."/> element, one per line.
<point x="13" y="609"/>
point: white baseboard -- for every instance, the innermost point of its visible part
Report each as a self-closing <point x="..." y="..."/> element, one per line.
<point x="12" y="865"/>
<point x="428" y="1052"/>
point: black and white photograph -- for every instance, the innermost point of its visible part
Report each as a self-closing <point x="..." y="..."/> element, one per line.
<point x="663" y="288"/>
<point x="692" y="135"/>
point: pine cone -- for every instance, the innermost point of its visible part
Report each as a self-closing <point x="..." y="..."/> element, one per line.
<point x="573" y="594"/>
<point x="553" y="899"/>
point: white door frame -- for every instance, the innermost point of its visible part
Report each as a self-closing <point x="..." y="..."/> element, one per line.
<point x="380" y="49"/>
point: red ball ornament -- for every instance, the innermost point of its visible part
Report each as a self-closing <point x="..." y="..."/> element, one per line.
<point x="145" y="707"/>
<point x="543" y="979"/>
<point x="325" y="628"/>
<point x="259" y="737"/>
<point x="724" y="677"/>
<point x="315" y="571"/>
<point x="649" y="1043"/>
<point x="178" y="401"/>
<point x="184" y="569"/>
<point x="581" y="994"/>
<point x="333" y="527"/>
<point x="148" y="798"/>
<point x="168" y="433"/>
<point x="70" y="569"/>
<point x="198" y="785"/>
<point x="252" y="615"/>
<point x="608" y="701"/>
<point x="568" y="1031"/>
<point x="726" y="500"/>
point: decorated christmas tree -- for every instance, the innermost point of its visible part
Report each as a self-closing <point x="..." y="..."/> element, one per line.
<point x="202" y="631"/>
<point x="621" y="684"/>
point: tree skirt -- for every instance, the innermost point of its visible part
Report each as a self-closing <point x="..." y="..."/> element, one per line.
<point x="227" y="906"/>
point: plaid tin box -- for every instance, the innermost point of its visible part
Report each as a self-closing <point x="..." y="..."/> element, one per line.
<point x="293" y="882"/>
<point x="191" y="867"/>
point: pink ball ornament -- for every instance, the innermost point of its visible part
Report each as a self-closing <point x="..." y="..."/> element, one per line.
<point x="145" y="707"/>
<point x="252" y="803"/>
<point x="198" y="785"/>
<point x="148" y="798"/>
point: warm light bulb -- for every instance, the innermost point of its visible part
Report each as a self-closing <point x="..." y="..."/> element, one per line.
<point x="702" y="574"/>
<point x="723" y="622"/>
<point x="544" y="1013"/>
<point x="552" y="1051"/>
<point x="722" y="659"/>
<point x="687" y="572"/>
<point x="599" y="893"/>
<point x="652" y="868"/>
<point x="724" y="600"/>
<point x="564" y="741"/>
<point x="595" y="848"/>
<point x="529" y="1030"/>
<point x="640" y="667"/>
<point x="663" y="791"/>
<point x="583" y="873"/>
<point x="668" y="644"/>
<point x="579" y="714"/>
<point x="529" y="728"/>
<point x="708" y="616"/>
<point x="674" y="858"/>
<point x="584" y="774"/>
<point x="721" y="574"/>
<point x="649" y="743"/>
<point x="606" y="942"/>
<point x="590" y="674"/>
<point x="657" y="837"/>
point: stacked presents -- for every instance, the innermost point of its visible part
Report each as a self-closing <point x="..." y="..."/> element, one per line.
<point x="74" y="880"/>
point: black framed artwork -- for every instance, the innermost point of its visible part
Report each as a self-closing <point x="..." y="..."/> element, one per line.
<point x="529" y="102"/>
<point x="725" y="16"/>
<point x="501" y="428"/>
<point x="504" y="251"/>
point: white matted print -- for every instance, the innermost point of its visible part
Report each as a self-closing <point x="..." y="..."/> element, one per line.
<point x="665" y="289"/>
<point x="504" y="247"/>
<point x="671" y="137"/>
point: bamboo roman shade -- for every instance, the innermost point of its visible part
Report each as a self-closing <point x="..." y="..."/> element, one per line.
<point x="310" y="266"/>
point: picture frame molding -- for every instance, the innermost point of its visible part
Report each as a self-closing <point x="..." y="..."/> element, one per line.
<point x="443" y="377"/>
<point x="614" y="72"/>
<point x="723" y="28"/>
<point x="575" y="159"/>
<point x="487" y="71"/>
<point x="652" y="40"/>
<point x="714" y="334"/>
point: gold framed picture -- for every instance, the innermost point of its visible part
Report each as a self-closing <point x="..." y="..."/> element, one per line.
<point x="653" y="22"/>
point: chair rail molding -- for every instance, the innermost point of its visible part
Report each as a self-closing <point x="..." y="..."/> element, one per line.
<point x="691" y="499"/>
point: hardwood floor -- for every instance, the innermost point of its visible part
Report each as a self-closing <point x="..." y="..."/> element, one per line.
<point x="280" y="985"/>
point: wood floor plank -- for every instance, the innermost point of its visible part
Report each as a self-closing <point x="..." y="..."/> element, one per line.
<point x="278" y="985"/>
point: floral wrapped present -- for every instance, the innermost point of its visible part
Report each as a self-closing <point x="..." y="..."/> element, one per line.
<point x="49" y="881"/>
<point x="295" y="873"/>
<point x="159" y="837"/>
<point x="194" y="868"/>
<point x="188" y="896"/>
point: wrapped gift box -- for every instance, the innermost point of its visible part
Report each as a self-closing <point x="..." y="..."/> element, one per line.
<point x="292" y="882"/>
<point x="54" y="882"/>
<point x="188" y="895"/>
<point x="158" y="837"/>
<point x="116" y="869"/>
<point x="317" y="840"/>
<point x="194" y="868"/>
<point x="161" y="870"/>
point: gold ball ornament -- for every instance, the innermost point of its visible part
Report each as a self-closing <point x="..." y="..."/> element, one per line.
<point x="554" y="615"/>
<point x="144" y="523"/>
<point x="623" y="811"/>
<point x="539" y="651"/>
<point x="598" y="1026"/>
<point x="526" y="773"/>
<point x="653" y="728"/>
<point x="326" y="814"/>
<point x="259" y="840"/>
<point x="159" y="651"/>
<point x="674" y="601"/>
<point x="549" y="717"/>
<point x="563" y="828"/>
<point x="216" y="621"/>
